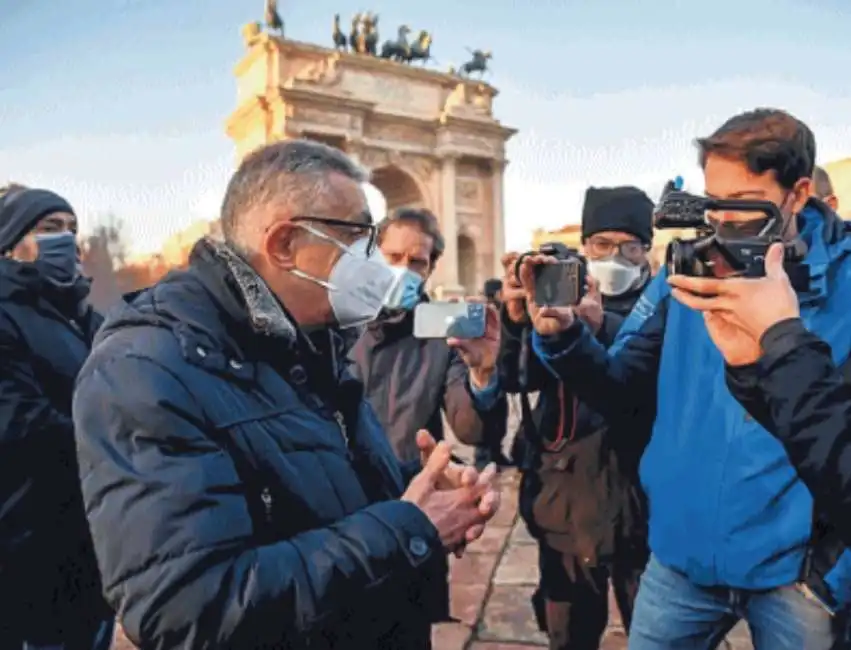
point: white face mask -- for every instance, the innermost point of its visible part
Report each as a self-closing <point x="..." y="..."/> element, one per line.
<point x="359" y="285"/>
<point x="615" y="277"/>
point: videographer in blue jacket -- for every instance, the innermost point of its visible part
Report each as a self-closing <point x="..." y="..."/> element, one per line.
<point x="732" y="527"/>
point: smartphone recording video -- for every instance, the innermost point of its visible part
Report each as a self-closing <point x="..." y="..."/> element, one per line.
<point x="444" y="320"/>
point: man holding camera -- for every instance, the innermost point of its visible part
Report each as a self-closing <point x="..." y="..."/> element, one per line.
<point x="579" y="494"/>
<point x="412" y="382"/>
<point x="732" y="528"/>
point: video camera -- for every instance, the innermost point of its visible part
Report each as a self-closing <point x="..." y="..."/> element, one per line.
<point x="561" y="284"/>
<point x="710" y="254"/>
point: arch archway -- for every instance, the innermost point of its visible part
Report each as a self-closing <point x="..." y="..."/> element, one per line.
<point x="467" y="264"/>
<point x="399" y="188"/>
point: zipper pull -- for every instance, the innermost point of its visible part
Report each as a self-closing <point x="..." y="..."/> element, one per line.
<point x="344" y="431"/>
<point x="266" y="498"/>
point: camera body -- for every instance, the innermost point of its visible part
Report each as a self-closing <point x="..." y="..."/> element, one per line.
<point x="561" y="284"/>
<point x="710" y="255"/>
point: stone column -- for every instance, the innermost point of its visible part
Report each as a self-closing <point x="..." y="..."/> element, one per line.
<point x="497" y="172"/>
<point x="449" y="226"/>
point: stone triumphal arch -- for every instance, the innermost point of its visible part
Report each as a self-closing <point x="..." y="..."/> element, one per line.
<point x="430" y="139"/>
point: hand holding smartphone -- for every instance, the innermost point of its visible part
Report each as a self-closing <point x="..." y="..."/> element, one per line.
<point x="445" y="320"/>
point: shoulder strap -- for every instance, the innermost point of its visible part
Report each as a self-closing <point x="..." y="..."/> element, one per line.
<point x="845" y="368"/>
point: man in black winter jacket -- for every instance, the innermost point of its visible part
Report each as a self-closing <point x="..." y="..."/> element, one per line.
<point x="579" y="493"/>
<point x="49" y="583"/>
<point x="241" y="492"/>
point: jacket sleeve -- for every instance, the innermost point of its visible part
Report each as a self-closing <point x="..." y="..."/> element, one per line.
<point x="25" y="412"/>
<point x="464" y="417"/>
<point x="174" y="538"/>
<point x="618" y="383"/>
<point x="799" y="395"/>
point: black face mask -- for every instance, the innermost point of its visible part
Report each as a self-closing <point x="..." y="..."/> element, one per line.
<point x="58" y="258"/>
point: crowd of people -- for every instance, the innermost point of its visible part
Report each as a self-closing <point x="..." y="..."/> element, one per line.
<point x="251" y="453"/>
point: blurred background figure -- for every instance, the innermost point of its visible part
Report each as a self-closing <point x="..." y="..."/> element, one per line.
<point x="49" y="583"/>
<point x="823" y="188"/>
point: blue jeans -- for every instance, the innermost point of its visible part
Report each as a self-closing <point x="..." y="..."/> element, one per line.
<point x="671" y="613"/>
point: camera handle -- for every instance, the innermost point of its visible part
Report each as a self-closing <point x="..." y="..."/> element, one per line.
<point x="552" y="249"/>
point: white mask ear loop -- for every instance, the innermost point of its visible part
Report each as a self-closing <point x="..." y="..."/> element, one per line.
<point x="347" y="250"/>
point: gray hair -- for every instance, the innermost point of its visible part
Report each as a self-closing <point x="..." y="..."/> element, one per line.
<point x="294" y="172"/>
<point x="823" y="185"/>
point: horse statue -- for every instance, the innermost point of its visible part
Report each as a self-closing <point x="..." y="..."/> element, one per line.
<point x="421" y="48"/>
<point x="479" y="63"/>
<point x="370" y="28"/>
<point x="273" y="19"/>
<point x="357" y="19"/>
<point x="400" y="49"/>
<point x="340" y="40"/>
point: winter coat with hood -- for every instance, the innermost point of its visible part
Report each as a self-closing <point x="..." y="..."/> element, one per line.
<point x="240" y="490"/>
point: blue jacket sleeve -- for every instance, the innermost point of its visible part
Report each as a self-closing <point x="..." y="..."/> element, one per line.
<point x="799" y="395"/>
<point x="174" y="537"/>
<point x="619" y="383"/>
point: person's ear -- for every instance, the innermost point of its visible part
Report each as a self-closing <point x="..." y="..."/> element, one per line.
<point x="801" y="194"/>
<point x="279" y="244"/>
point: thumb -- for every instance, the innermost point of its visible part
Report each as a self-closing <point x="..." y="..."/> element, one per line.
<point x="774" y="262"/>
<point x="438" y="461"/>
<point x="592" y="287"/>
<point x="425" y="442"/>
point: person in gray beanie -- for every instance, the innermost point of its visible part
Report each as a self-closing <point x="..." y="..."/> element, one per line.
<point x="49" y="583"/>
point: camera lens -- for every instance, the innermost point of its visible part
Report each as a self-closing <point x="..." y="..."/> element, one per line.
<point x="679" y="257"/>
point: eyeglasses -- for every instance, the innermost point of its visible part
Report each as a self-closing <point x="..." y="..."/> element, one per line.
<point x="353" y="230"/>
<point x="599" y="247"/>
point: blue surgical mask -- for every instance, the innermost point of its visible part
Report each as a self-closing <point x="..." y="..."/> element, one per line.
<point x="408" y="292"/>
<point x="58" y="257"/>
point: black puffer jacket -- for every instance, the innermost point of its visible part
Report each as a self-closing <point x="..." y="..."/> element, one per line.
<point x="241" y="493"/>
<point x="580" y="492"/>
<point x="48" y="575"/>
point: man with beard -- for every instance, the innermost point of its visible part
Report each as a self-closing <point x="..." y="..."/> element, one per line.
<point x="49" y="583"/>
<point x="579" y="493"/>
<point x="241" y="492"/>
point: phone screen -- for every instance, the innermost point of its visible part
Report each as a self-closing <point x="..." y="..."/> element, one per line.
<point x="561" y="284"/>
<point x="443" y="320"/>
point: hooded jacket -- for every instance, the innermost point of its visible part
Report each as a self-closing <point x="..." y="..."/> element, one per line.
<point x="48" y="576"/>
<point x="240" y="490"/>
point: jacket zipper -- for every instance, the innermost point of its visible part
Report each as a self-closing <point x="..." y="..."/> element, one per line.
<point x="266" y="498"/>
<point x="344" y="431"/>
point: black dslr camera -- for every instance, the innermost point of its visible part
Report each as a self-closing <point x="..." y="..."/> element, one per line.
<point x="711" y="255"/>
<point x="561" y="284"/>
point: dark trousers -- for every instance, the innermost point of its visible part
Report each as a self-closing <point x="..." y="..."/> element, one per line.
<point x="572" y="600"/>
<point x="96" y="635"/>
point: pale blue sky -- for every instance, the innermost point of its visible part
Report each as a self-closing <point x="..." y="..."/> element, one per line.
<point x="120" y="104"/>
